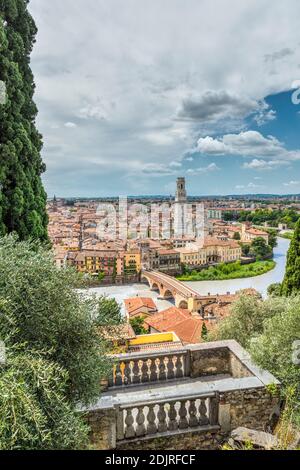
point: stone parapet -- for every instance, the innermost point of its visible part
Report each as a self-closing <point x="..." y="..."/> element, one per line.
<point x="213" y="389"/>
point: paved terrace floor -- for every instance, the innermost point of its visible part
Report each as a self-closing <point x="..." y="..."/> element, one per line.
<point x="174" y="389"/>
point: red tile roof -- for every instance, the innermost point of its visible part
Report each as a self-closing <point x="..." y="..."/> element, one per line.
<point x="167" y="252"/>
<point x="181" y="322"/>
<point x="135" y="303"/>
<point x="210" y="241"/>
<point x="255" y="231"/>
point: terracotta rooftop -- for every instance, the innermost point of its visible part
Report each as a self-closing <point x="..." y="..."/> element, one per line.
<point x="180" y="321"/>
<point x="167" y="252"/>
<point x="210" y="241"/>
<point x="255" y="231"/>
<point x="135" y="303"/>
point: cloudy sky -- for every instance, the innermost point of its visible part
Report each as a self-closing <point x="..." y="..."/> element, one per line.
<point x="134" y="93"/>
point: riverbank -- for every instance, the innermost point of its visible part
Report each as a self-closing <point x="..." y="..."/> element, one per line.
<point x="225" y="272"/>
<point x="287" y="235"/>
<point x="260" y="283"/>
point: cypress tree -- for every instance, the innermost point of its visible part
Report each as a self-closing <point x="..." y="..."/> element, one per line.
<point x="291" y="282"/>
<point x="204" y="332"/>
<point x="22" y="196"/>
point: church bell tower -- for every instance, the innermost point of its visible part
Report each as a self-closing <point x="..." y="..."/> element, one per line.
<point x="180" y="208"/>
<point x="181" y="195"/>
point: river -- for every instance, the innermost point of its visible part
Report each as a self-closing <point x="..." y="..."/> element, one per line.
<point x="260" y="283"/>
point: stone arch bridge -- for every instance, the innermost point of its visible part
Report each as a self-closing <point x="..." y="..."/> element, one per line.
<point x="170" y="288"/>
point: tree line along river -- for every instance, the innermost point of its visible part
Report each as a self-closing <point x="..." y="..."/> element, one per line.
<point x="260" y="283"/>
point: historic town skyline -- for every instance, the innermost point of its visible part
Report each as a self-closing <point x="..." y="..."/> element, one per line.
<point x="164" y="91"/>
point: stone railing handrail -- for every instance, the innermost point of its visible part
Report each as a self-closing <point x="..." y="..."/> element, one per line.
<point x="156" y="366"/>
<point x="148" y="355"/>
<point x="192" y="396"/>
<point x="167" y="416"/>
<point x="156" y="347"/>
<point x="136" y="368"/>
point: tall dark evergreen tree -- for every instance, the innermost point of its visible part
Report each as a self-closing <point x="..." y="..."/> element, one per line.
<point x="291" y="283"/>
<point x="22" y="196"/>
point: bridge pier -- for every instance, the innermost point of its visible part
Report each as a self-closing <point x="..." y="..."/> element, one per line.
<point x="170" y="288"/>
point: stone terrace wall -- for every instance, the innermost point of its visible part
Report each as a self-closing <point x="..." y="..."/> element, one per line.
<point x="243" y="401"/>
<point x="237" y="368"/>
<point x="103" y="428"/>
<point x="189" y="441"/>
<point x="210" y="362"/>
<point x="252" y="408"/>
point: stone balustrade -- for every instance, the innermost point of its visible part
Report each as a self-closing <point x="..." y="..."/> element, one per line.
<point x="136" y="368"/>
<point x="189" y="398"/>
<point x="167" y="416"/>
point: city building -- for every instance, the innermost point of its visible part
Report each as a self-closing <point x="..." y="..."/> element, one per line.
<point x="250" y="233"/>
<point x="139" y="306"/>
<point x="112" y="265"/>
<point x="211" y="251"/>
<point x="180" y="209"/>
<point x="169" y="261"/>
<point x="187" y="327"/>
<point x="154" y="342"/>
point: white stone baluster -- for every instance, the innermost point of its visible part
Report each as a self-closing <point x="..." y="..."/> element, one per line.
<point x="203" y="421"/>
<point x="151" y="418"/>
<point x="162" y="419"/>
<point x="129" y="429"/>
<point x="193" y="421"/>
<point x="183" y="422"/>
<point x="162" y="369"/>
<point x="170" y="367"/>
<point x="140" y="419"/>
<point x="136" y="372"/>
<point x="172" y="414"/>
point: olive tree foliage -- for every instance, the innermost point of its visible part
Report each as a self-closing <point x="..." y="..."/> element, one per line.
<point x="109" y="312"/>
<point x="34" y="412"/>
<point x="274" y="289"/>
<point x="270" y="331"/>
<point x="247" y="318"/>
<point x="277" y="347"/>
<point x="50" y="315"/>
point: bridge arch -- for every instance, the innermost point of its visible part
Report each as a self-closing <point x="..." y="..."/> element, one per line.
<point x="167" y="294"/>
<point x="154" y="286"/>
<point x="145" y="280"/>
<point x="170" y="288"/>
<point x="183" y="304"/>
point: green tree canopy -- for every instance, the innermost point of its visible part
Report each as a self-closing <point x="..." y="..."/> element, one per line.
<point x="274" y="289"/>
<point x="270" y="331"/>
<point x="109" y="312"/>
<point x="22" y="196"/>
<point x="272" y="238"/>
<point x="260" y="249"/>
<point x="247" y="318"/>
<point x="34" y="411"/>
<point x="56" y="357"/>
<point x="276" y="350"/>
<point x="291" y="282"/>
<point x="137" y="324"/>
<point x="204" y="332"/>
<point x="50" y="315"/>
